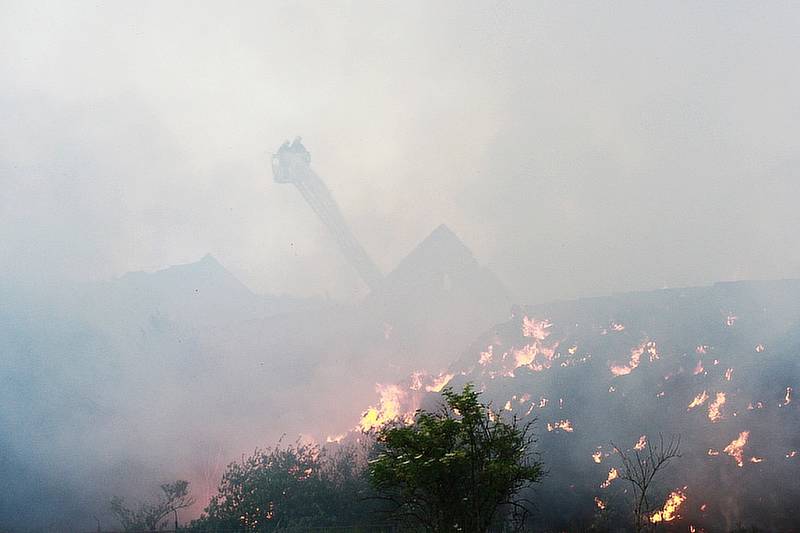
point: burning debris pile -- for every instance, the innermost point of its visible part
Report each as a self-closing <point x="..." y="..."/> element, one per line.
<point x="717" y="366"/>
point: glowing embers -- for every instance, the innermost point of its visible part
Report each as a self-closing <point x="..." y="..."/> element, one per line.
<point x="736" y="448"/>
<point x="647" y="347"/>
<point x="672" y="505"/>
<point x="561" y="425"/>
<point x="699" y="400"/>
<point x="715" y="407"/>
<point x="599" y="503"/>
<point x="612" y="475"/>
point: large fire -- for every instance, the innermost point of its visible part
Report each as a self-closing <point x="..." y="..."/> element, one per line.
<point x="524" y="368"/>
<point x="389" y="409"/>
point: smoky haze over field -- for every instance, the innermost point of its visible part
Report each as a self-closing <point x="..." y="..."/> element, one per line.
<point x="158" y="288"/>
<point x="582" y="149"/>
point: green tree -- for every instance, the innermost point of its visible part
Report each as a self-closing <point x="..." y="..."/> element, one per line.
<point x="148" y="515"/>
<point x="290" y="488"/>
<point x="456" y="468"/>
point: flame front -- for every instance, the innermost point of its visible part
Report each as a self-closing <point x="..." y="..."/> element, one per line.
<point x="669" y="512"/>
<point x="648" y="347"/>
<point x="388" y="410"/>
<point x="700" y="399"/>
<point x="736" y="448"/>
<point x="439" y="383"/>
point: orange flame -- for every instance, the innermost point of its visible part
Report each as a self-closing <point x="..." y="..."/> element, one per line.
<point x="335" y="438"/>
<point x="700" y="399"/>
<point x="564" y="425"/>
<point x="388" y="410"/>
<point x="538" y="329"/>
<point x="728" y="374"/>
<point x="714" y="408"/>
<point x="612" y="475"/>
<point x="641" y="443"/>
<point x="599" y="503"/>
<point x="487" y="356"/>
<point x="698" y="367"/>
<point x="439" y="383"/>
<point x="669" y="512"/>
<point x="597" y="456"/>
<point x="648" y="347"/>
<point x="736" y="448"/>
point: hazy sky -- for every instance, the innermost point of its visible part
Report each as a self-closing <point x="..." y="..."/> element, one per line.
<point x="577" y="148"/>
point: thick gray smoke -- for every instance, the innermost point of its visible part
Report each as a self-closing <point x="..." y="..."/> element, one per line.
<point x="582" y="149"/>
<point x="575" y="150"/>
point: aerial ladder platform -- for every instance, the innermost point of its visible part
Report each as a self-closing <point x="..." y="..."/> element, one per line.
<point x="292" y="164"/>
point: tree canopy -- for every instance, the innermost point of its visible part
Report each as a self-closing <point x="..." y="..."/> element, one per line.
<point x="292" y="487"/>
<point x="456" y="469"/>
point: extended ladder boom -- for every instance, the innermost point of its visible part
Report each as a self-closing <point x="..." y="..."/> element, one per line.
<point x="292" y="164"/>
